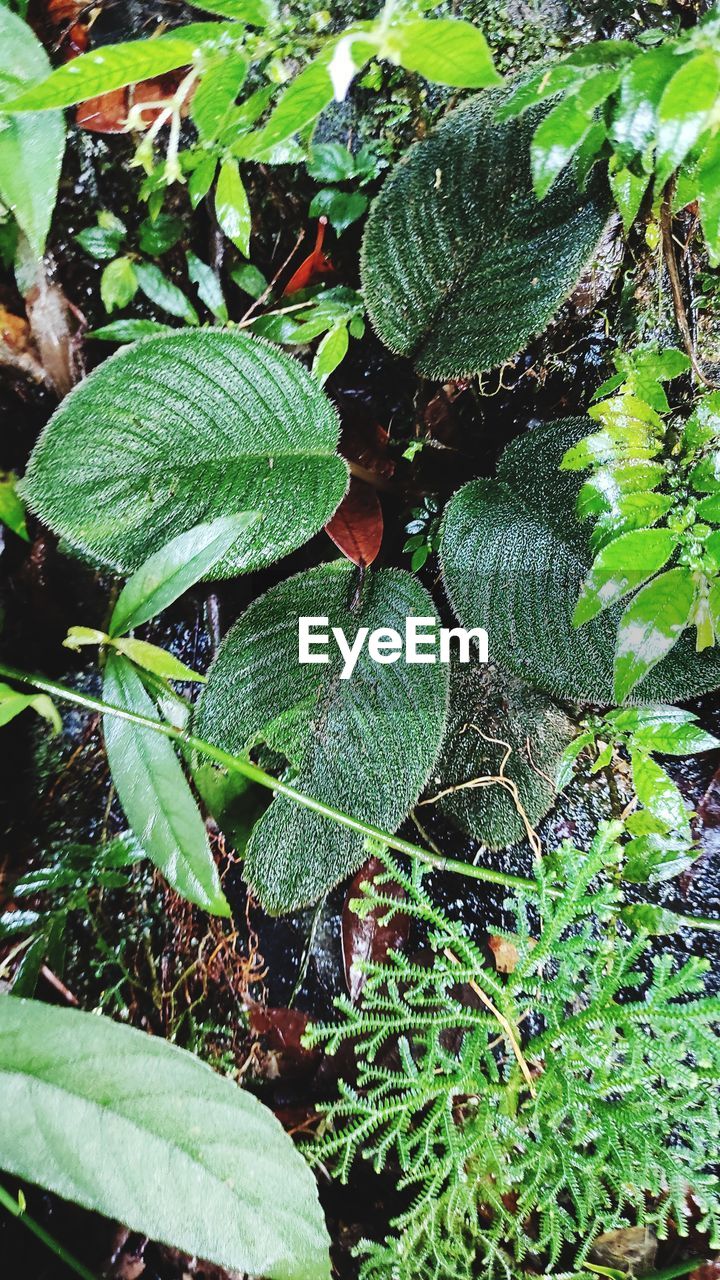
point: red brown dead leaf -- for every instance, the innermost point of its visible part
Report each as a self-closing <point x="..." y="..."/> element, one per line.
<point x="312" y="268"/>
<point x="357" y="526"/>
<point x="505" y="953"/>
<point x="281" y="1031"/>
<point x="370" y="937"/>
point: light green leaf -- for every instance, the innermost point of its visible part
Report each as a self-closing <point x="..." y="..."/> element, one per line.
<point x="674" y="739"/>
<point x="302" y="102"/>
<point x="363" y="744"/>
<point x="128" y="330"/>
<point x="330" y="353"/>
<point x="461" y="266"/>
<point x="179" y="430"/>
<point x="118" y="283"/>
<point x="141" y="1131"/>
<point x="166" y="295"/>
<point x="231" y="206"/>
<point x="628" y="190"/>
<point x="213" y="102"/>
<point x="709" y="197"/>
<point x="331" y="162"/>
<point x="656" y="790"/>
<point x="444" y="50"/>
<point x="31" y="149"/>
<point x="117" y="65"/>
<point x="568" y="760"/>
<point x="175" y="568"/>
<point x="513" y="556"/>
<point x="684" y="112"/>
<point x="156" y="660"/>
<point x="208" y="286"/>
<point x="565" y="128"/>
<point x="257" y="13"/>
<point x="155" y="795"/>
<point x="12" y="511"/>
<point x="514" y="718"/>
<point x="622" y="566"/>
<point x="651" y="626"/>
<point x="634" y="121"/>
<point x="13" y="703"/>
<point x="656" y="920"/>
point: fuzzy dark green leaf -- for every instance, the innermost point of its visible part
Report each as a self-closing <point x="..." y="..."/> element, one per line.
<point x="178" y="430"/>
<point x="514" y="556"/>
<point x="461" y="264"/>
<point x="365" y="744"/>
<point x="494" y="718"/>
<point x="143" y="1132"/>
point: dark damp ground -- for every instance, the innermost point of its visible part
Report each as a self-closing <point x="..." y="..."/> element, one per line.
<point x="133" y="957"/>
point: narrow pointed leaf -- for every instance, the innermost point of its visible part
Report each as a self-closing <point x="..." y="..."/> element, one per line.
<point x="173" y="570"/>
<point x="232" y="208"/>
<point x="155" y="796"/>
<point x="684" y="112"/>
<point x="444" y="50"/>
<point x="145" y="1133"/>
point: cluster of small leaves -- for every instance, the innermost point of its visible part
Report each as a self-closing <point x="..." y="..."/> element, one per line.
<point x="649" y="114"/>
<point x="654" y="493"/>
<point x="423" y="529"/>
<point x="529" y="1112"/>
<point x="660" y="843"/>
<point x="128" y="271"/>
<point x="333" y="315"/>
<point x="70" y="875"/>
<point x="223" y="57"/>
<point x="331" y="162"/>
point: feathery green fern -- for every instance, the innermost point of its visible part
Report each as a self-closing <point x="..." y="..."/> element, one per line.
<point x="527" y="1113"/>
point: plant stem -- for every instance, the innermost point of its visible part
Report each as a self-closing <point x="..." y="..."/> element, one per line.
<point x="12" y="1206"/>
<point x="236" y="764"/>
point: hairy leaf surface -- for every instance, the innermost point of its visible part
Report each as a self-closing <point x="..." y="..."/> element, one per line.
<point x="461" y="264"/>
<point x="495" y="723"/>
<point x="514" y="556"/>
<point x="31" y="147"/>
<point x="364" y="745"/>
<point x="142" y="1131"/>
<point x="178" y="430"/>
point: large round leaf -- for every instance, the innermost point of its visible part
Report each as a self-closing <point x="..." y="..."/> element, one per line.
<point x="144" y="1132"/>
<point x="461" y="264"/>
<point x="179" y="429"/>
<point x="498" y="728"/>
<point x="514" y="556"/>
<point x="365" y="744"/>
<point x="31" y="146"/>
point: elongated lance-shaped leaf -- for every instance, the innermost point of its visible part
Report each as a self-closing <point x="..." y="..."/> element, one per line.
<point x="514" y="555"/>
<point x="155" y="796"/>
<point x="363" y="744"/>
<point x="178" y="430"/>
<point x="31" y="147"/>
<point x="175" y="568"/>
<point x="117" y="65"/>
<point x="144" y="1132"/>
<point x="461" y="264"/>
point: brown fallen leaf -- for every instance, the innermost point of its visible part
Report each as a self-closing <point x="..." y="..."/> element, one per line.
<point x="105" y="114"/>
<point x="369" y="937"/>
<point x="505" y="953"/>
<point x="357" y="526"/>
<point x="281" y="1031"/>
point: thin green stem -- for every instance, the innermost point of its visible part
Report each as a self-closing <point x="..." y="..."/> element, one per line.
<point x="74" y="1264"/>
<point x="236" y="764"/>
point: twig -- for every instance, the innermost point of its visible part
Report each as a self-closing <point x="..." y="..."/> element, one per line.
<point x="676" y="286"/>
<point x="266" y="293"/>
<point x="503" y="1023"/>
<point x="59" y="986"/>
